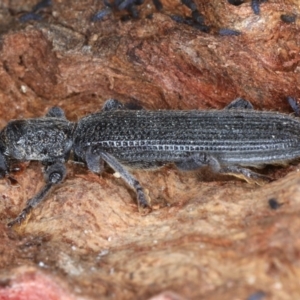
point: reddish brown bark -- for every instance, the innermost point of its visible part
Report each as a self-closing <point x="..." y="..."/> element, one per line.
<point x="204" y="239"/>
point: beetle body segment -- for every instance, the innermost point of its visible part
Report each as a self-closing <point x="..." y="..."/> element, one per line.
<point x="44" y="139"/>
<point x="239" y="137"/>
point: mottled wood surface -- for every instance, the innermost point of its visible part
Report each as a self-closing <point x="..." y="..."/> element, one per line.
<point x="206" y="238"/>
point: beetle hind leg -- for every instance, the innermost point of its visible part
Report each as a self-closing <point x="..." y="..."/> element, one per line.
<point x="245" y="174"/>
<point x="199" y="160"/>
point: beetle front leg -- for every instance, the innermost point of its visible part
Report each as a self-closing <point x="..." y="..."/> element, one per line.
<point x="54" y="175"/>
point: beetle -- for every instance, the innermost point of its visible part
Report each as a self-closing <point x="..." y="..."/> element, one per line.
<point x="227" y="141"/>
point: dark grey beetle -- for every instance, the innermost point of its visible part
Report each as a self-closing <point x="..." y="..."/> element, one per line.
<point x="225" y="140"/>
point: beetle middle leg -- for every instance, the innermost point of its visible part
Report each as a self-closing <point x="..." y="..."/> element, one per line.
<point x="94" y="159"/>
<point x="239" y="103"/>
<point x="54" y="174"/>
<point x="198" y="160"/>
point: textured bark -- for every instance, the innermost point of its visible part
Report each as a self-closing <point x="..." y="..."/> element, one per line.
<point x="207" y="239"/>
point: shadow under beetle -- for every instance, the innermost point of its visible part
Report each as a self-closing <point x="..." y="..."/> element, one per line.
<point x="125" y="137"/>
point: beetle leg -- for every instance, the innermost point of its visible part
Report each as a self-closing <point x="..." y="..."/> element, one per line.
<point x="199" y="160"/>
<point x="54" y="175"/>
<point x="56" y="112"/>
<point x="113" y="104"/>
<point x="294" y="105"/>
<point x="94" y="158"/>
<point x="245" y="174"/>
<point x="239" y="103"/>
